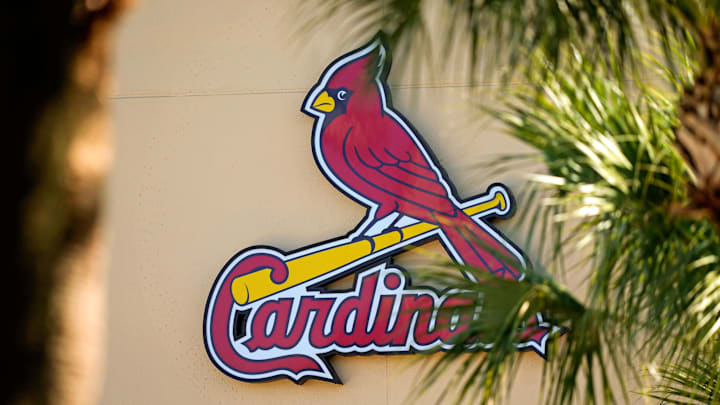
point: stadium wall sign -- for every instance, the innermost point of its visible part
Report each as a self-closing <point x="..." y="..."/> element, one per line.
<point x="268" y="315"/>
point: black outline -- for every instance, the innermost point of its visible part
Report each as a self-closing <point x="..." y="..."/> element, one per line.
<point x="385" y="258"/>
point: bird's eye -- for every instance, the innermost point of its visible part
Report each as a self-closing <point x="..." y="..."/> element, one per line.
<point x="341" y="95"/>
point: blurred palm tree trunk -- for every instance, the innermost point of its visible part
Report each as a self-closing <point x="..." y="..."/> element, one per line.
<point x="54" y="85"/>
<point x="699" y="133"/>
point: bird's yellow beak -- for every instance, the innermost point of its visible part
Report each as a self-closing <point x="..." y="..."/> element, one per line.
<point x="324" y="102"/>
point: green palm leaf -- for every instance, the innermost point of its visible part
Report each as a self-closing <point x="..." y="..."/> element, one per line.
<point x="610" y="175"/>
<point x="692" y="380"/>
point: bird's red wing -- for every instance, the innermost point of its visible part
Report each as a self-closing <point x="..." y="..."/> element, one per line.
<point x="395" y="165"/>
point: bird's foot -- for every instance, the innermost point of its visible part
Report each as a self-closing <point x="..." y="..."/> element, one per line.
<point x="363" y="237"/>
<point x="397" y="229"/>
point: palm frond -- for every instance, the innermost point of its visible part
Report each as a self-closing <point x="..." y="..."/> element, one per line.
<point x="507" y="31"/>
<point x="609" y="188"/>
<point x="693" y="379"/>
<point x="616" y="179"/>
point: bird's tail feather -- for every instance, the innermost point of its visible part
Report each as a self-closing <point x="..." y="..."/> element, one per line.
<point x="474" y="246"/>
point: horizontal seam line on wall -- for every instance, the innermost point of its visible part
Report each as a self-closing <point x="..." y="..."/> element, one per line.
<point x="301" y="91"/>
<point x="298" y="91"/>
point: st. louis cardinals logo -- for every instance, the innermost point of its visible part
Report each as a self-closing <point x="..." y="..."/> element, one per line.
<point x="268" y="316"/>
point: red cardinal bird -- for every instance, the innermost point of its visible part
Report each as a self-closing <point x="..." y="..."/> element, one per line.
<point x="369" y="152"/>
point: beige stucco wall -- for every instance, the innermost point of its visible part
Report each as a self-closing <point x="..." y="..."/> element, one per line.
<point x="212" y="156"/>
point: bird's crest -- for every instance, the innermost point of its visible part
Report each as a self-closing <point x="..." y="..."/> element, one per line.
<point x="362" y="70"/>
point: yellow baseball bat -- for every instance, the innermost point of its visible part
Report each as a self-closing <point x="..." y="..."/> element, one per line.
<point x="258" y="284"/>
